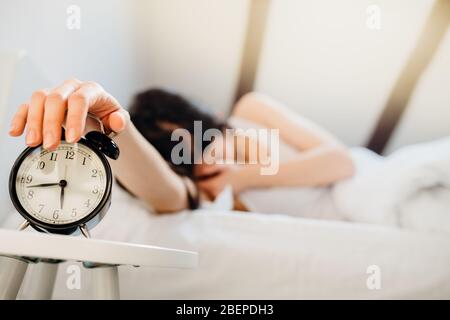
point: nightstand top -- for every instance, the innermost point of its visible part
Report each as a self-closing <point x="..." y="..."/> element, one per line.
<point x="51" y="246"/>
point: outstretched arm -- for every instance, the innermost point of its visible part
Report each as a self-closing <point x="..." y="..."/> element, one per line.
<point x="322" y="159"/>
<point x="142" y="170"/>
<point x="140" y="167"/>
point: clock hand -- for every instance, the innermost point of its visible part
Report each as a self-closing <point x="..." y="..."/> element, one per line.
<point x="61" y="198"/>
<point x="44" y="185"/>
<point x="62" y="184"/>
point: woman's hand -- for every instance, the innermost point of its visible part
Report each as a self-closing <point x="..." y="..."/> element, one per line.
<point x="217" y="177"/>
<point x="43" y="116"/>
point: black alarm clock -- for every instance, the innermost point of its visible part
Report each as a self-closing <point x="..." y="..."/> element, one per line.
<point x="65" y="190"/>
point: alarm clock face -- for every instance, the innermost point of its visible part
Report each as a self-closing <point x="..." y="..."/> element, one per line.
<point x="63" y="186"/>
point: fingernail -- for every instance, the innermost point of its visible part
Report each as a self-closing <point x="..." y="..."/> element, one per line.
<point x="31" y="137"/>
<point x="48" y="140"/>
<point x="71" y="135"/>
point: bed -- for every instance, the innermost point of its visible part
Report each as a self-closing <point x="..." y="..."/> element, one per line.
<point x="370" y="254"/>
<point x="261" y="256"/>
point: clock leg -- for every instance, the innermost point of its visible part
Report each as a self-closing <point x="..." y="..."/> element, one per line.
<point x="24" y="225"/>
<point x="85" y="231"/>
<point x="106" y="282"/>
<point x="11" y="276"/>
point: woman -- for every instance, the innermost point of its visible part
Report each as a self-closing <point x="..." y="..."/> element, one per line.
<point x="146" y="167"/>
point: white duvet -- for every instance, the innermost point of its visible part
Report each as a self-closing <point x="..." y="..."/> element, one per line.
<point x="408" y="189"/>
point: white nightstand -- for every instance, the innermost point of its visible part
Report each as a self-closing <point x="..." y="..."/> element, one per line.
<point x="18" y="249"/>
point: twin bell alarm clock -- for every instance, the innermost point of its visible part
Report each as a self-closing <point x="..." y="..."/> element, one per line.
<point x="66" y="190"/>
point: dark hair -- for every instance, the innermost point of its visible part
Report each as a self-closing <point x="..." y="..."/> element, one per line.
<point x="154" y="109"/>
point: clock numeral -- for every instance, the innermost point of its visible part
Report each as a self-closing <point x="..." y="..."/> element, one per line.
<point x="41" y="206"/>
<point x="26" y="179"/>
<point x="30" y="194"/>
<point x="84" y="161"/>
<point x="53" y="156"/>
<point x="88" y="203"/>
<point x="74" y="212"/>
<point x="56" y="214"/>
<point x="95" y="190"/>
<point x="70" y="154"/>
<point x="41" y="165"/>
<point x="94" y="173"/>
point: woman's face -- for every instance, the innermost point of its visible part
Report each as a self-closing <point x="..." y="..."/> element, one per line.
<point x="213" y="174"/>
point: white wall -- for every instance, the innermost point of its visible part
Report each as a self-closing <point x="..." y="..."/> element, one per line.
<point x="102" y="50"/>
<point x="318" y="55"/>
<point x="194" y="47"/>
<point x="19" y="76"/>
<point x="321" y="59"/>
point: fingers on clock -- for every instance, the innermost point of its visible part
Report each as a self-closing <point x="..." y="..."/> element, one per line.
<point x="35" y="117"/>
<point x="118" y="120"/>
<point x="19" y="120"/>
<point x="55" y="111"/>
<point x="78" y="106"/>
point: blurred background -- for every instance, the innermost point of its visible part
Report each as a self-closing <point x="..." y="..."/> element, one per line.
<point x="319" y="57"/>
<point x="326" y="59"/>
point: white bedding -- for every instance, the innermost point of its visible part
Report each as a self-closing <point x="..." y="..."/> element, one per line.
<point x="408" y="189"/>
<point x="258" y="256"/>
